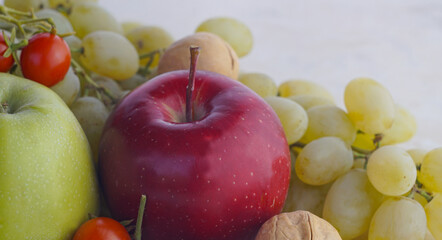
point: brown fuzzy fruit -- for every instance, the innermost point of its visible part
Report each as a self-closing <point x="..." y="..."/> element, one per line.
<point x="298" y="225"/>
<point x="216" y="55"/>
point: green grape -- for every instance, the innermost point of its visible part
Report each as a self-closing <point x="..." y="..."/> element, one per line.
<point x="398" y="218"/>
<point x="68" y="88"/>
<point x="74" y="44"/>
<point x="403" y="128"/>
<point x="293" y="117"/>
<point x="109" y="54"/>
<point x="431" y="170"/>
<point x="417" y="154"/>
<point x="109" y="84"/>
<point x="391" y="170"/>
<point x="326" y="121"/>
<point x="302" y="196"/>
<point x="27" y="5"/>
<point x="302" y="87"/>
<point x="364" y="141"/>
<point x="129" y="26"/>
<point x="434" y="216"/>
<point x="67" y="3"/>
<point x="309" y="101"/>
<point x="323" y="160"/>
<point x="61" y="22"/>
<point x="350" y="204"/>
<point x="234" y="32"/>
<point x="91" y="114"/>
<point x="88" y="17"/>
<point x="147" y="39"/>
<point x="369" y="105"/>
<point x="133" y="82"/>
<point x="260" y="83"/>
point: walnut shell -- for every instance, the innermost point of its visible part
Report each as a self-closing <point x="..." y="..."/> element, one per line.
<point x="216" y="55"/>
<point x="298" y="225"/>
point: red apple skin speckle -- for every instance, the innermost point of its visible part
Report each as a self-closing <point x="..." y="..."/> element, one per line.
<point x="218" y="177"/>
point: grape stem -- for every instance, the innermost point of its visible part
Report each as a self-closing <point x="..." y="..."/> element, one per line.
<point x="421" y="192"/>
<point x="377" y="140"/>
<point x="81" y="73"/>
<point x="361" y="151"/>
<point x="143" y="71"/>
<point x="357" y="155"/>
<point x="194" y="53"/>
<point x="418" y="167"/>
<point x="365" y="154"/>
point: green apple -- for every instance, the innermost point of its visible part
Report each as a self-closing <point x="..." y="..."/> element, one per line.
<point x="48" y="183"/>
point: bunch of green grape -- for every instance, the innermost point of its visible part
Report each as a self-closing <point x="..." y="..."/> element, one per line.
<point x="347" y="165"/>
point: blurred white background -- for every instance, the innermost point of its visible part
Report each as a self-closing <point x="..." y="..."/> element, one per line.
<point x="396" y="42"/>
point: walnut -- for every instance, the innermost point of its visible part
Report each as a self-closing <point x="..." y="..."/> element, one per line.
<point x="298" y="225"/>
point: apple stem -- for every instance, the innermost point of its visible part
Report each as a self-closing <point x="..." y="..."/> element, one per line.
<point x="194" y="53"/>
<point x="4" y="107"/>
<point x="140" y="217"/>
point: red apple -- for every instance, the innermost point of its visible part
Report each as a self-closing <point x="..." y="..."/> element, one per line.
<point x="218" y="176"/>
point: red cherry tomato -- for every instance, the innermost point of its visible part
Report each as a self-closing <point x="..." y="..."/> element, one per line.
<point x="46" y="59"/>
<point x="5" y="62"/>
<point x="101" y="228"/>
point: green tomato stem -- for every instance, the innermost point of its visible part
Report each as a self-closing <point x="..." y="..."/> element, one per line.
<point x="23" y="43"/>
<point x="63" y="35"/>
<point x="6" y="14"/>
<point x="194" y="53"/>
<point x="50" y="21"/>
<point x="6" y="10"/>
<point x="14" y="21"/>
<point x="140" y="217"/>
<point x="12" y="47"/>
